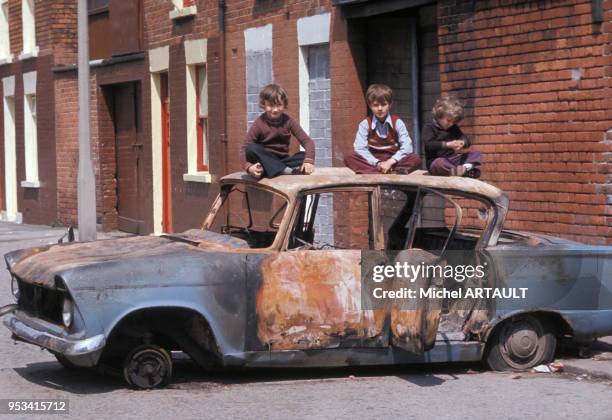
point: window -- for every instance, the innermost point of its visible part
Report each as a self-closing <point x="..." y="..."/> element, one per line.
<point x="197" y="111"/>
<point x="99" y="28"/>
<point x="183" y="8"/>
<point x="5" y="46"/>
<point x="348" y="225"/>
<point x="202" y="117"/>
<point x="31" y="141"/>
<point x="29" y="29"/>
<point x="94" y="6"/>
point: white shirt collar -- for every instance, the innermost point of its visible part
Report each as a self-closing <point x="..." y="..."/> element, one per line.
<point x="387" y="121"/>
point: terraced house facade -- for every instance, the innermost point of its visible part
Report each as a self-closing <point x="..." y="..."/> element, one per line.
<point x="174" y="87"/>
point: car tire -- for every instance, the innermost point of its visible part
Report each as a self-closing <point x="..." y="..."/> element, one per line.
<point x="67" y="364"/>
<point x="521" y="343"/>
<point x="147" y="366"/>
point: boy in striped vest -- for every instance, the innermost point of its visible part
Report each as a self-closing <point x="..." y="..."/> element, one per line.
<point x="382" y="144"/>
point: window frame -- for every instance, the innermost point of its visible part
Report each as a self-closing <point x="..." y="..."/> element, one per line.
<point x="29" y="47"/>
<point x="202" y="122"/>
<point x="374" y="200"/>
<point x="5" y="53"/>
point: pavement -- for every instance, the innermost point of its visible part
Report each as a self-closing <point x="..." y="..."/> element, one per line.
<point x="597" y="366"/>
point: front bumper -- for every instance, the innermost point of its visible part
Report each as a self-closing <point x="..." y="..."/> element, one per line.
<point x="49" y="336"/>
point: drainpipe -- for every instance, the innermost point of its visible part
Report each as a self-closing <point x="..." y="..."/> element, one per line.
<point x="222" y="87"/>
<point x="414" y="61"/>
<point x="223" y="101"/>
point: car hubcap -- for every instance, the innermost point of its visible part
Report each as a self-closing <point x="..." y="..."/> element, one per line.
<point x="147" y="369"/>
<point x="522" y="343"/>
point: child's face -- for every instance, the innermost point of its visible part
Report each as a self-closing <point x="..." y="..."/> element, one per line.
<point x="380" y="109"/>
<point x="273" y="111"/>
<point x="446" y="122"/>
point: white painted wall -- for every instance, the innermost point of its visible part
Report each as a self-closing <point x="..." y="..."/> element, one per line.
<point x="10" y="157"/>
<point x="30" y="131"/>
<point x="158" y="62"/>
<point x="28" y="22"/>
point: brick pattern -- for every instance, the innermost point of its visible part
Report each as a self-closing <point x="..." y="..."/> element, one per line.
<point x="533" y="76"/>
<point x="66" y="129"/>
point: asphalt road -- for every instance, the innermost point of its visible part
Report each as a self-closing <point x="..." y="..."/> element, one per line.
<point x="431" y="391"/>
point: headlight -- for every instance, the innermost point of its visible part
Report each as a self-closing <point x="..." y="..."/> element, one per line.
<point x="15" y="287"/>
<point x="67" y="312"/>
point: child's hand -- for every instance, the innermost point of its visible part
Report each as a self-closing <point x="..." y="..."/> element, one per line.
<point x="456" y="145"/>
<point x="307" y="168"/>
<point x="256" y="170"/>
<point x="386" y="166"/>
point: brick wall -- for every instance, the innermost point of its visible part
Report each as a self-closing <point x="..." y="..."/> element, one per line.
<point x="66" y="130"/>
<point x="533" y="77"/>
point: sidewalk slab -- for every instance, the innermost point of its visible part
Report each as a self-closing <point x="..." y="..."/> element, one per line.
<point x="598" y="366"/>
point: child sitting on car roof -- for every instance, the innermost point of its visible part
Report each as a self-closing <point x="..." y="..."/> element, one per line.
<point x="447" y="150"/>
<point x="382" y="143"/>
<point x="265" y="151"/>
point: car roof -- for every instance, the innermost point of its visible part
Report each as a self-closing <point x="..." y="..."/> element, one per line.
<point x="291" y="185"/>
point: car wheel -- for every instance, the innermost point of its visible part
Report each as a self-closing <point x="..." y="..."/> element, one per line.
<point x="66" y="364"/>
<point x="520" y="344"/>
<point x="147" y="366"/>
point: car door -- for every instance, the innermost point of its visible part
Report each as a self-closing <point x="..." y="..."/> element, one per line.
<point x="452" y="227"/>
<point x="310" y="294"/>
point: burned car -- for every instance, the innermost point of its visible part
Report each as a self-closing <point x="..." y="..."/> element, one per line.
<point x="278" y="276"/>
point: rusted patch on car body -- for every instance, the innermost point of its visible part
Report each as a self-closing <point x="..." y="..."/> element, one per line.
<point x="414" y="322"/>
<point x="311" y="300"/>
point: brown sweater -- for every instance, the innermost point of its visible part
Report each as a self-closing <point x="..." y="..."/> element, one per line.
<point x="275" y="136"/>
<point x="433" y="137"/>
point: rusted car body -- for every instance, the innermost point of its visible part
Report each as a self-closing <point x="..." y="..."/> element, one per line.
<point x="255" y="287"/>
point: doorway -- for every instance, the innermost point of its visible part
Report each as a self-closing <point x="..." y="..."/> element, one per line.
<point x="402" y="52"/>
<point x="129" y="148"/>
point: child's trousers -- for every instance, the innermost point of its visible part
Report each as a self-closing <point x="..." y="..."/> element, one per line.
<point x="359" y="165"/>
<point x="444" y="165"/>
<point x="273" y="165"/>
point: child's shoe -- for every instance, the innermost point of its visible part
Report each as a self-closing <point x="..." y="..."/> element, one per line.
<point x="473" y="173"/>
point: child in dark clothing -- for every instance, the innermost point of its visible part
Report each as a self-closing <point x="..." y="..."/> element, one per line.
<point x="382" y="143"/>
<point x="266" y="147"/>
<point x="447" y="149"/>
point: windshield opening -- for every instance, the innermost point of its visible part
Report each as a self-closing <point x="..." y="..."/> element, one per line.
<point x="250" y="214"/>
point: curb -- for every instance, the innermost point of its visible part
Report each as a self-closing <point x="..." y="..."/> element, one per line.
<point x="593" y="373"/>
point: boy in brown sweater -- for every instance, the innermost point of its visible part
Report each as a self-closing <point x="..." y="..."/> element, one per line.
<point x="266" y="147"/>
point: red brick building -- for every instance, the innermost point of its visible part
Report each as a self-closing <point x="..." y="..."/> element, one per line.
<point x="174" y="87"/>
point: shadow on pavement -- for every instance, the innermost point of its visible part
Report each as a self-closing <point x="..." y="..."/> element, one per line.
<point x="187" y="375"/>
<point x="80" y="381"/>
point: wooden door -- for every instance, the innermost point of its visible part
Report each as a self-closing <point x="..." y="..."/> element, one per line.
<point x="129" y="156"/>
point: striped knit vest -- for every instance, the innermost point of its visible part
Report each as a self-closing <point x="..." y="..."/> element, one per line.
<point x="387" y="144"/>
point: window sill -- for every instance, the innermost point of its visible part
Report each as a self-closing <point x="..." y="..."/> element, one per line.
<point x="28" y="54"/>
<point x="6" y="60"/>
<point x="203" y="177"/>
<point x="183" y="12"/>
<point x="30" y="184"/>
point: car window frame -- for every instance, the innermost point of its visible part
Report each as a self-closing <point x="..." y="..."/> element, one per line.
<point x="224" y="191"/>
<point x="492" y="216"/>
<point x="377" y="231"/>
